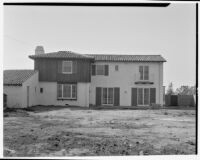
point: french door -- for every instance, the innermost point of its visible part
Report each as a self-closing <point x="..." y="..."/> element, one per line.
<point x="107" y="96"/>
<point x="143" y="96"/>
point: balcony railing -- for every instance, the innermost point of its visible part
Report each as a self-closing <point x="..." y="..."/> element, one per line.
<point x="150" y="80"/>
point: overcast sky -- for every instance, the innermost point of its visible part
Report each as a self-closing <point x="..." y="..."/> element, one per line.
<point x="169" y="31"/>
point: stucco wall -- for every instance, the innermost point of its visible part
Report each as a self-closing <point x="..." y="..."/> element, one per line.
<point x="49" y="95"/>
<point x="32" y="82"/>
<point x="125" y="78"/>
<point x="14" y="96"/>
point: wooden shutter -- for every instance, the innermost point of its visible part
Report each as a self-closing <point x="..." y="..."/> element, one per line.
<point x="116" y="96"/>
<point x="74" y="66"/>
<point x="93" y="70"/>
<point x="106" y="70"/>
<point x="98" y="96"/>
<point x="134" y="97"/>
<point x="152" y="95"/>
<point x="59" y="65"/>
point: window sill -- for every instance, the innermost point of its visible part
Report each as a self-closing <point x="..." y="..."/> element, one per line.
<point x="68" y="99"/>
<point x="66" y="72"/>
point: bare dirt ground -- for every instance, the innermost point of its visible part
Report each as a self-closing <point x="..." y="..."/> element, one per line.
<point x="81" y="132"/>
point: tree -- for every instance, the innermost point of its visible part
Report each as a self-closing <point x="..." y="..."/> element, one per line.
<point x="170" y="89"/>
<point x="186" y="90"/>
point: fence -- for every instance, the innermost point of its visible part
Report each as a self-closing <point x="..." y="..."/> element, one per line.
<point x="180" y="100"/>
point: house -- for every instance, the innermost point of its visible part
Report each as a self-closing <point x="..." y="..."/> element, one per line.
<point x="69" y="78"/>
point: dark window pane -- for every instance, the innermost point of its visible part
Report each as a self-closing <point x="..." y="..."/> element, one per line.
<point x="60" y="90"/>
<point x="140" y="96"/>
<point x="74" y="91"/>
<point x="146" y="96"/>
<point x="146" y="72"/>
<point x="141" y="72"/>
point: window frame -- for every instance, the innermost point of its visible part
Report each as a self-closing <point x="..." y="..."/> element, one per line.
<point x="97" y="65"/>
<point x="71" y="91"/>
<point x="71" y="64"/>
<point x="143" y="73"/>
<point x="143" y="96"/>
<point x="107" y="96"/>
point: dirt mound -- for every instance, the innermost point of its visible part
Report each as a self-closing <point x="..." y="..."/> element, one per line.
<point x="12" y="112"/>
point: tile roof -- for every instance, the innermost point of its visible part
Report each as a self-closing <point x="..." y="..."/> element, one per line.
<point x="16" y="77"/>
<point x="101" y="57"/>
<point x="61" y="54"/>
<point x="128" y="58"/>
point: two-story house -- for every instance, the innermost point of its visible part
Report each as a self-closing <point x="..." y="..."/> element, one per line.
<point x="68" y="78"/>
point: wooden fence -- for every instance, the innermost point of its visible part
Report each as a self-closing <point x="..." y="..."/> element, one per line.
<point x="180" y="100"/>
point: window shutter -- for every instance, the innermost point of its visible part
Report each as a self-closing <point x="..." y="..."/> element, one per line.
<point x="93" y="70"/>
<point x="134" y="97"/>
<point x="74" y="66"/>
<point x="152" y="95"/>
<point x="59" y="66"/>
<point x="106" y="70"/>
<point x="98" y="96"/>
<point x="116" y="96"/>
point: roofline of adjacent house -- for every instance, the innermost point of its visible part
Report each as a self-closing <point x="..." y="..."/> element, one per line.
<point x="19" y="84"/>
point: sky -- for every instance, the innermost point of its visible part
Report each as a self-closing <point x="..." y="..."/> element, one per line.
<point x="168" y="31"/>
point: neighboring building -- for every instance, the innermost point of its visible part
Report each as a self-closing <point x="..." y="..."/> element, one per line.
<point x="68" y="78"/>
<point x="21" y="88"/>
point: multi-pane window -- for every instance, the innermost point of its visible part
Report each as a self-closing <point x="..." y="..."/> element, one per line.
<point x="143" y="96"/>
<point x="107" y="97"/>
<point x="67" y="91"/>
<point x="67" y="67"/>
<point x="144" y="72"/>
<point x="100" y="70"/>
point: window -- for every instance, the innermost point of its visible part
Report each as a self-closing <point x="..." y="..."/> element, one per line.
<point x="67" y="67"/>
<point x="100" y="69"/>
<point x="116" y="67"/>
<point x="144" y="72"/>
<point x="41" y="90"/>
<point x="67" y="91"/>
<point x="107" y="97"/>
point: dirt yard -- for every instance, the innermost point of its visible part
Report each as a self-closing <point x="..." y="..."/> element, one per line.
<point x="81" y="132"/>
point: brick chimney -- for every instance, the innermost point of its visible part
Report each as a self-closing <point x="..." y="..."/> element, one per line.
<point x="39" y="50"/>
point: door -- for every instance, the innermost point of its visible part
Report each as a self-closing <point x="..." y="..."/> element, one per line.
<point x="27" y="88"/>
<point x="143" y="96"/>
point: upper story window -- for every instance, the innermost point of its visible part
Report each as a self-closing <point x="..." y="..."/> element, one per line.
<point x="116" y="67"/>
<point x="100" y="70"/>
<point x="67" y="67"/>
<point x="144" y="72"/>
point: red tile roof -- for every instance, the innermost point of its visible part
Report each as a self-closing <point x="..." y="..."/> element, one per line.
<point x="16" y="77"/>
<point x="128" y="58"/>
<point x="61" y="54"/>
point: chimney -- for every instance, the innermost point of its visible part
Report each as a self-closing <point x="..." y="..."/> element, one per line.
<point x="39" y="50"/>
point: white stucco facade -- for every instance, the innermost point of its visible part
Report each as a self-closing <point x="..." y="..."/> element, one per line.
<point x="28" y="94"/>
<point x="14" y="96"/>
<point x="125" y="79"/>
<point x="32" y="83"/>
<point x="49" y="95"/>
